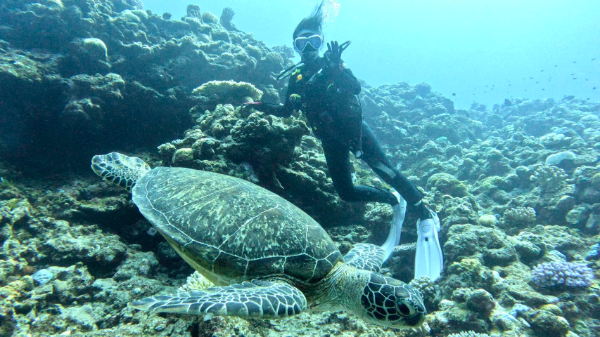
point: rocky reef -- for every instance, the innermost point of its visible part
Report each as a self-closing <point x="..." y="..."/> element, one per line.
<point x="110" y="75"/>
<point x="516" y="186"/>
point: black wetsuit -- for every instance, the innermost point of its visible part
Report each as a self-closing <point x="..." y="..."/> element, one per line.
<point x="333" y="110"/>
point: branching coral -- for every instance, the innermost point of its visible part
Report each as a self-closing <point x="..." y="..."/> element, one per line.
<point x="519" y="216"/>
<point x="562" y="274"/>
<point x="550" y="178"/>
<point x="196" y="282"/>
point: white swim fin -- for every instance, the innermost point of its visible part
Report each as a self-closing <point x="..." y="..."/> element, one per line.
<point x="396" y="227"/>
<point x="429" y="259"/>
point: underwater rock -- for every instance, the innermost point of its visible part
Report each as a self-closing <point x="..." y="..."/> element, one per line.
<point x="481" y="301"/>
<point x="468" y="241"/>
<point x="137" y="264"/>
<point x="66" y="243"/>
<point x="209" y="17"/>
<point x="487" y="220"/>
<point x="548" y="324"/>
<point x="468" y="273"/>
<point x="578" y="215"/>
<point x="447" y="184"/>
<point x="229" y="92"/>
<point x="557" y="158"/>
<point x="530" y="247"/>
<point x="183" y="156"/>
<point x="86" y="56"/>
<point x="193" y="11"/>
<point x="42" y="276"/>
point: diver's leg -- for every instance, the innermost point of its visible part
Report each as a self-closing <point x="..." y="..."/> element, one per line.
<point x="340" y="170"/>
<point x="429" y="259"/>
<point x="374" y="156"/>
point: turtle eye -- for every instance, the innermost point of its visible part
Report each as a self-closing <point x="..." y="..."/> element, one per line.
<point x="405" y="308"/>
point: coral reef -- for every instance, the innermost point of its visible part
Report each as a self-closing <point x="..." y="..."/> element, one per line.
<point x="516" y="186"/>
<point x="195" y="281"/>
<point x="557" y="158"/>
<point x="549" y="178"/>
<point x="230" y="92"/>
<point x="226" y="17"/>
<point x="157" y="62"/>
<point x="557" y="274"/>
<point x="468" y="334"/>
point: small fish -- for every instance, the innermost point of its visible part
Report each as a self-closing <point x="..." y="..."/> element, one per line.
<point x="542" y="71"/>
<point x="543" y="89"/>
<point x="556" y="65"/>
<point x="588" y="99"/>
<point x="574" y="61"/>
<point x="574" y="78"/>
<point x="594" y="88"/>
<point x="453" y="94"/>
<point x="531" y="78"/>
<point x="510" y="85"/>
<point x="537" y="82"/>
<point x="594" y="59"/>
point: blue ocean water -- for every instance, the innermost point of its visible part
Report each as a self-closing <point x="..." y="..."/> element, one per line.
<point x="468" y="50"/>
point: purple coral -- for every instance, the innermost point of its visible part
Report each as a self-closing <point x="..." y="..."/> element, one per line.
<point x="567" y="274"/>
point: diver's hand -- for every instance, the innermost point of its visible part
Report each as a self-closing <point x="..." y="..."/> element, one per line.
<point x="334" y="54"/>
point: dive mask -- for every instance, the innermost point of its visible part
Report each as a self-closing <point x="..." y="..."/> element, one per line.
<point x="301" y="42"/>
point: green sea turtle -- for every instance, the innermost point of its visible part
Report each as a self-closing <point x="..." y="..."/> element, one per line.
<point x="266" y="257"/>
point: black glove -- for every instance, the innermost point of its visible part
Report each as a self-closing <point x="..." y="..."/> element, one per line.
<point x="334" y="54"/>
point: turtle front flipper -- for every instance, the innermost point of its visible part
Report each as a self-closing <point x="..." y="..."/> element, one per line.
<point x="119" y="168"/>
<point x="256" y="299"/>
<point x="366" y="256"/>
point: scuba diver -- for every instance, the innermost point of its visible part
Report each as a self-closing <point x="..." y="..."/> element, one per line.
<point x="325" y="90"/>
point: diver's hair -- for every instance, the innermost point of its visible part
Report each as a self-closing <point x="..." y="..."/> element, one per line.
<point x="312" y="22"/>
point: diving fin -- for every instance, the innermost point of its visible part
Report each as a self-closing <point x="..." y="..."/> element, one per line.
<point x="396" y="227"/>
<point x="429" y="259"/>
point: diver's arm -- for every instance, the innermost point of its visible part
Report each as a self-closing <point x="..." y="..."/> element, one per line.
<point x="278" y="109"/>
<point x="347" y="81"/>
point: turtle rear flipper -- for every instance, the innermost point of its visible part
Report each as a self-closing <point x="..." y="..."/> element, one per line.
<point x="256" y="299"/>
<point x="119" y="169"/>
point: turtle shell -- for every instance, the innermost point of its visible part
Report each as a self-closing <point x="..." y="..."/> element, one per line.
<point x="232" y="230"/>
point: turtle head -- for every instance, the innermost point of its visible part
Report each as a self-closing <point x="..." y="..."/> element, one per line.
<point x="388" y="302"/>
<point x="119" y="169"/>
